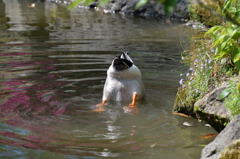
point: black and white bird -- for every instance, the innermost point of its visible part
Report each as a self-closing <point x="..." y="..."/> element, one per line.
<point x="124" y="81"/>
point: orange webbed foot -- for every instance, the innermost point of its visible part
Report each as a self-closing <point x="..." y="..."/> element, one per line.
<point x="132" y="108"/>
<point x="100" y="107"/>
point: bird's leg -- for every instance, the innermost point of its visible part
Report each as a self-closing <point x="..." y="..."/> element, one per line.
<point x="103" y="102"/>
<point x="134" y="99"/>
<point x="132" y="109"/>
<point x="100" y="106"/>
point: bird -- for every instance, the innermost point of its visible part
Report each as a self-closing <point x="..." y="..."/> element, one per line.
<point x="123" y="83"/>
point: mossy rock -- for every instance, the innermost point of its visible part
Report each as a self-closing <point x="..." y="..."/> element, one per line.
<point x="204" y="15"/>
<point x="181" y="105"/>
<point x="232" y="151"/>
<point x="226" y="144"/>
<point x="217" y="122"/>
<point x="212" y="109"/>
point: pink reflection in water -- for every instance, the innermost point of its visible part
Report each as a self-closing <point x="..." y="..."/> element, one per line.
<point x="25" y="100"/>
<point x="31" y="63"/>
<point x="30" y="99"/>
<point x="14" y="54"/>
<point x="37" y="106"/>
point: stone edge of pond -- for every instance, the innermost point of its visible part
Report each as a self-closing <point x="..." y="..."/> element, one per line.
<point x="152" y="9"/>
<point x="211" y="108"/>
<point x="226" y="144"/>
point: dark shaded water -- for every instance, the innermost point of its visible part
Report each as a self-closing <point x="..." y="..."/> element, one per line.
<point x="52" y="70"/>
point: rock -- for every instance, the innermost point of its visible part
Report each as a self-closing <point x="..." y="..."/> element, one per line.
<point x="216" y="148"/>
<point x="181" y="105"/>
<point x="197" y="25"/>
<point x="212" y="109"/>
<point x="151" y="9"/>
<point x="187" y="124"/>
<point x="232" y="151"/>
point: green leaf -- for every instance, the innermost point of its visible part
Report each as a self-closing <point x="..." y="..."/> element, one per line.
<point x="219" y="39"/>
<point x="232" y="9"/>
<point x="153" y="145"/>
<point x="237" y="15"/>
<point x="217" y="52"/>
<point x="169" y="6"/>
<point x="213" y="29"/>
<point x="229" y="31"/>
<point x="74" y="4"/>
<point x="222" y="49"/>
<point x="236" y="57"/>
<point x="236" y="34"/>
<point x="140" y="3"/>
<point x="239" y="87"/>
<point x="102" y="2"/>
<point x="87" y="2"/>
<point x="225" y="93"/>
<point x="227" y="5"/>
<point x="237" y="64"/>
<point x="236" y="54"/>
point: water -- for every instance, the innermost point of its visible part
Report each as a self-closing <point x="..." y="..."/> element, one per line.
<point x="52" y="70"/>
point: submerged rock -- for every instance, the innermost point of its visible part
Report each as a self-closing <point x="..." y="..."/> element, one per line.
<point x="224" y="145"/>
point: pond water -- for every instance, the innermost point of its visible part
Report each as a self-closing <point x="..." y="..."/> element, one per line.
<point x="53" y="65"/>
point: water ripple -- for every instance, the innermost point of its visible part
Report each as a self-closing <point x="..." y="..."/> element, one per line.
<point x="53" y="65"/>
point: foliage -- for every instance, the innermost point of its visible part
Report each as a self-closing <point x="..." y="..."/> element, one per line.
<point x="216" y="58"/>
<point x="226" y="42"/>
<point x="226" y="37"/>
<point x="204" y="73"/>
<point x="215" y="12"/>
<point x="200" y="77"/>
<point x="231" y="11"/>
<point x="232" y="98"/>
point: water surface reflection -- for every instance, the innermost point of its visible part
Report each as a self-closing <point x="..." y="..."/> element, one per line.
<point x="53" y="66"/>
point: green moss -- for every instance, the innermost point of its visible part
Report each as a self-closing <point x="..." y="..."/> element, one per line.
<point x="232" y="151"/>
<point x="204" y="15"/>
<point x="182" y="104"/>
<point x="196" y="108"/>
